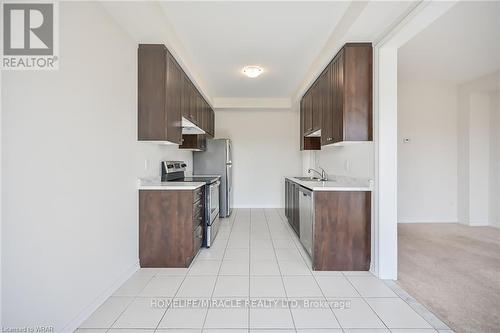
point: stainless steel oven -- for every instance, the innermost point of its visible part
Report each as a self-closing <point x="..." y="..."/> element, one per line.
<point x="174" y="171"/>
<point x="212" y="211"/>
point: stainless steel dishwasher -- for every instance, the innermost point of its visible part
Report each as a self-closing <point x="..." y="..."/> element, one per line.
<point x="306" y="219"/>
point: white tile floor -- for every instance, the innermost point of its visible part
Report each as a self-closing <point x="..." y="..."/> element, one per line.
<point x="257" y="264"/>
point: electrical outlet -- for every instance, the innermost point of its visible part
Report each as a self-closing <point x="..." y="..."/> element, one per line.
<point x="347" y="165"/>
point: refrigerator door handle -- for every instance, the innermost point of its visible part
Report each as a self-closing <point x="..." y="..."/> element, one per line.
<point x="228" y="152"/>
<point x="229" y="176"/>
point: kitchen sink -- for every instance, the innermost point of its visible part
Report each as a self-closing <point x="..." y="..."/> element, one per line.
<point x="313" y="179"/>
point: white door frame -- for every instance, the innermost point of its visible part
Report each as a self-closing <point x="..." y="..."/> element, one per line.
<point x="385" y="120"/>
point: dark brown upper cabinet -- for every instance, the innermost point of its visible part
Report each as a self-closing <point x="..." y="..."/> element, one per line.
<point x="307" y="143"/>
<point x="339" y="102"/>
<point x="211" y="123"/>
<point x="307" y="105"/>
<point x="196" y="142"/>
<point x="192" y="103"/>
<point x="326" y="114"/>
<point x="186" y="97"/>
<point x="317" y="105"/>
<point x="158" y="100"/>
<point x="351" y="83"/>
<point x="165" y="95"/>
<point x="312" y="108"/>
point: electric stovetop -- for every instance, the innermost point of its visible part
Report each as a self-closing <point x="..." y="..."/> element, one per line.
<point x="201" y="179"/>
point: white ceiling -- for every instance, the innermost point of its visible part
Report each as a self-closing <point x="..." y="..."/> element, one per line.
<point x="282" y="37"/>
<point x="458" y="47"/>
<point x="291" y="40"/>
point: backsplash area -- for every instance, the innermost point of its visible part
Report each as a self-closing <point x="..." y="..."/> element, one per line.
<point x="148" y="163"/>
<point x="353" y="160"/>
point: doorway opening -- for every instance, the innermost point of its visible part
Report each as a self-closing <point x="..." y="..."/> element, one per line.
<point x="448" y="166"/>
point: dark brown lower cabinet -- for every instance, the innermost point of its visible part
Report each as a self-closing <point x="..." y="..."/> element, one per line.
<point x="170" y="227"/>
<point x="342" y="231"/>
<point x="292" y="205"/>
<point x="342" y="227"/>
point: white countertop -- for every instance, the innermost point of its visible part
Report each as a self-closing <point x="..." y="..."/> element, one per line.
<point x="157" y="184"/>
<point x="336" y="183"/>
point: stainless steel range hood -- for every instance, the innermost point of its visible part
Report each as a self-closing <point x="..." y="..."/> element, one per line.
<point x="190" y="128"/>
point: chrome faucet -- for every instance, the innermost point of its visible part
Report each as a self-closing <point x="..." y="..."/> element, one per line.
<point x="322" y="174"/>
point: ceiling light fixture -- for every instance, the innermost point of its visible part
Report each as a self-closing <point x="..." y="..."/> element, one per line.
<point x="252" y="71"/>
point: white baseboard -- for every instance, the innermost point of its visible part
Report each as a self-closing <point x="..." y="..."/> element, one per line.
<point x="422" y="221"/>
<point x="110" y="290"/>
<point x="479" y="224"/>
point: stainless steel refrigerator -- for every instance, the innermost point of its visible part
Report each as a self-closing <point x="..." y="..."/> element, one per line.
<point x="217" y="160"/>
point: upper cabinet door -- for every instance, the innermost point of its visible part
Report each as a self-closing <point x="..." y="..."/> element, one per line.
<point x="327" y="112"/>
<point x="301" y="118"/>
<point x="212" y="123"/>
<point x="338" y="98"/>
<point x="185" y="96"/>
<point x="317" y="105"/>
<point x="174" y="93"/>
<point x="199" y="111"/>
<point x="158" y="114"/>
<point x="192" y="102"/>
<point x="357" y="91"/>
<point x="308" y="122"/>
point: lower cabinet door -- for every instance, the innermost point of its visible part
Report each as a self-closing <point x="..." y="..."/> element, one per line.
<point x="197" y="239"/>
<point x="296" y="216"/>
<point x="287" y="206"/>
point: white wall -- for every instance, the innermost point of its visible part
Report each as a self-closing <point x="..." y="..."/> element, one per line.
<point x="352" y="160"/>
<point x="70" y="160"/>
<point x="478" y="151"/>
<point x="265" y="149"/>
<point x="495" y="160"/>
<point x="427" y="165"/>
<point x="479" y="157"/>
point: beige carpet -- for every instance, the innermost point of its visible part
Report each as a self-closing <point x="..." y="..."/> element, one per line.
<point x="454" y="271"/>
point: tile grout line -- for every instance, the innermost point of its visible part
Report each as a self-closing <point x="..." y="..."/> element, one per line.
<point x="218" y="272"/>
<point x="279" y="268"/>
<point x="364" y="300"/>
<point x="414" y="310"/>
<point x="316" y="281"/>
<point x="133" y="300"/>
<point x="177" y="291"/>
<point x="178" y="288"/>
<point x="344" y="276"/>
<point x="397" y="296"/>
